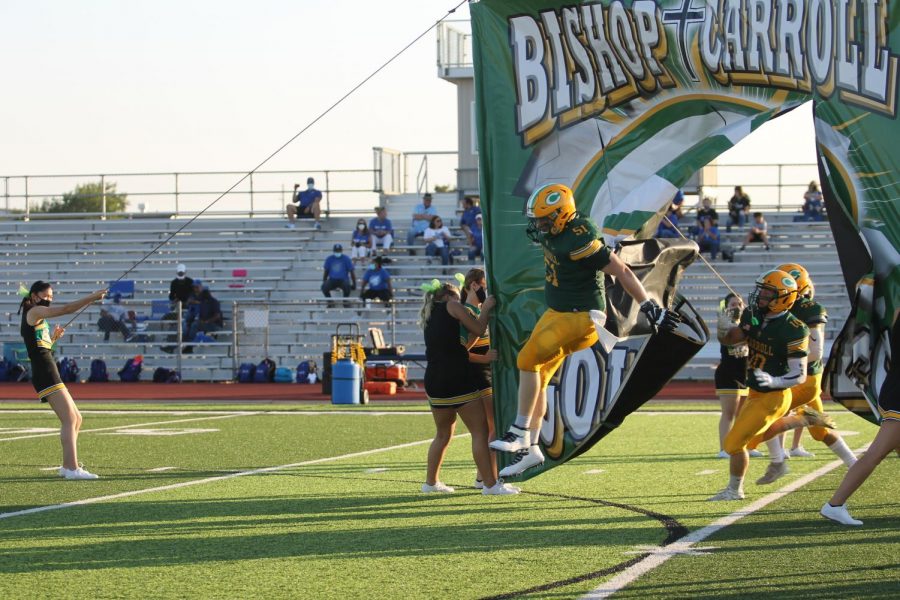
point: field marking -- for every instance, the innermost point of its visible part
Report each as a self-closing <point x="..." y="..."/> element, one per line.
<point x="83" y="431"/>
<point x="183" y="484"/>
<point x="158" y="432"/>
<point x="160" y="469"/>
<point x="594" y="471"/>
<point x="661" y="554"/>
<point x="707" y="472"/>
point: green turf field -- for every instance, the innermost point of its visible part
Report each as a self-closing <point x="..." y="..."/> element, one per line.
<point x="264" y="502"/>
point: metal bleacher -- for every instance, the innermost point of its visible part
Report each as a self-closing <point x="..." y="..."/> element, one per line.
<point x="284" y="275"/>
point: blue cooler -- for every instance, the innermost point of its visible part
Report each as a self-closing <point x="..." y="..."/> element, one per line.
<point x="345" y="382"/>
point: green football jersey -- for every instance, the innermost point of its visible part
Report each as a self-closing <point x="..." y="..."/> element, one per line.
<point x="772" y="342"/>
<point x="572" y="285"/>
<point x="812" y="313"/>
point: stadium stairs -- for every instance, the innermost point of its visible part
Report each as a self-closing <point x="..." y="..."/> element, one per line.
<point x="284" y="273"/>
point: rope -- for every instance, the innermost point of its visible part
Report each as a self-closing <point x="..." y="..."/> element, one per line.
<point x="280" y="148"/>
<point x="706" y="262"/>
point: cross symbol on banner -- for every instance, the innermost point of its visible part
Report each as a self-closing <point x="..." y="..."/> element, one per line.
<point x="681" y="18"/>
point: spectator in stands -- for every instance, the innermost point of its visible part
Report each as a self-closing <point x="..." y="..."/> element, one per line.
<point x="306" y="204"/>
<point x="677" y="202"/>
<point x="376" y="282"/>
<point x="476" y="239"/>
<point x="758" y="231"/>
<point x="467" y="220"/>
<point x="813" y="205"/>
<point x="209" y="315"/>
<point x="738" y="209"/>
<point x="182" y="286"/>
<point x="192" y="306"/>
<point x="382" y="230"/>
<point x="708" y="238"/>
<point x="359" y="242"/>
<point x="114" y="317"/>
<point x="668" y="225"/>
<point x="422" y="215"/>
<point x="438" y="237"/>
<point x="706" y="213"/>
<point x="339" y="273"/>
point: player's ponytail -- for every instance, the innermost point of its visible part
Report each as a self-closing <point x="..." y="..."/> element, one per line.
<point x="36" y="288"/>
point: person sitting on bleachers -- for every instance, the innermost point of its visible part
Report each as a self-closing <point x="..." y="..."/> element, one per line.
<point x="376" y="283"/>
<point x="706" y="213"/>
<point x="438" y="237"/>
<point x="476" y="239"/>
<point x="668" y="225"/>
<point x="708" y="238"/>
<point x="114" y="317"/>
<point x="182" y="286"/>
<point x="305" y="204"/>
<point x="382" y="230"/>
<point x="738" y="208"/>
<point x="813" y="205"/>
<point x="421" y="216"/>
<point x="467" y="219"/>
<point x="758" y="231"/>
<point x="209" y="315"/>
<point x="360" y="242"/>
<point x="338" y="273"/>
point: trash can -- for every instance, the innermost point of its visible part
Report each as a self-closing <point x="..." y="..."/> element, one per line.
<point x="345" y="382"/>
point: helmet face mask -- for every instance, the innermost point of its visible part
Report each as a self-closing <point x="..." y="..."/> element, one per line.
<point x="550" y="207"/>
<point x="775" y="292"/>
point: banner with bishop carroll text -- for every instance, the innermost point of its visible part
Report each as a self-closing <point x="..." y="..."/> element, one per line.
<point x="624" y="100"/>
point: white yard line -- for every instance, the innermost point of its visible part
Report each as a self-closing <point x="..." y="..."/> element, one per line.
<point x="83" y="431"/>
<point x="661" y="554"/>
<point x="175" y="486"/>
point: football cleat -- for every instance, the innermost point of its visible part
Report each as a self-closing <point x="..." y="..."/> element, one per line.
<point x="513" y="440"/>
<point x="525" y="459"/>
<point x="839" y="514"/>
<point x="727" y="494"/>
<point x="775" y="471"/>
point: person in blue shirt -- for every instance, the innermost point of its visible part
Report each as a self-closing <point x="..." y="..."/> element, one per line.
<point x="338" y="273"/>
<point x="209" y="315"/>
<point x="305" y="204"/>
<point x="376" y="283"/>
<point x="708" y="238"/>
<point x="360" y="242"/>
<point x="668" y="227"/>
<point x="420" y="219"/>
<point x="467" y="220"/>
<point x="382" y="230"/>
<point x="476" y="239"/>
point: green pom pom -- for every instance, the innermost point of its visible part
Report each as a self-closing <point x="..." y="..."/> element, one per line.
<point x="23" y="291"/>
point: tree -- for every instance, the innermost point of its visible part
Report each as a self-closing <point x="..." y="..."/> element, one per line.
<point x="441" y="189"/>
<point x="86" y="198"/>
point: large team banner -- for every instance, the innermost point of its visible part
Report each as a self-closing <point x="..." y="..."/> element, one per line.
<point x="623" y="102"/>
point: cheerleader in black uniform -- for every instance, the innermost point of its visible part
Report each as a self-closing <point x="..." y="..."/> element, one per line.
<point x="731" y="374"/>
<point x="450" y="386"/>
<point x="481" y="355"/>
<point x="35" y="330"/>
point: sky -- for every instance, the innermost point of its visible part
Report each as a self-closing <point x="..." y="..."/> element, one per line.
<point x="194" y="85"/>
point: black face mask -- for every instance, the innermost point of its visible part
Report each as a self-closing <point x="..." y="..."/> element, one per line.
<point x="481" y="294"/>
<point x="43" y="302"/>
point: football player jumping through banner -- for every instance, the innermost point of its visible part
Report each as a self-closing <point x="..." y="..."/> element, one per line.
<point x="808" y="394"/>
<point x="779" y="345"/>
<point x="575" y="260"/>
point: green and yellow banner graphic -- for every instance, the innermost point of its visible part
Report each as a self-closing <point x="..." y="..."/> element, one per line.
<point x="625" y="100"/>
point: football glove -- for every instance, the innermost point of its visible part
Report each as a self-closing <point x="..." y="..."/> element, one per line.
<point x="661" y="319"/>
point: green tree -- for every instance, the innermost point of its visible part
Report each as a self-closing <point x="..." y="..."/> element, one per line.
<point x="441" y="189"/>
<point x="86" y="198"/>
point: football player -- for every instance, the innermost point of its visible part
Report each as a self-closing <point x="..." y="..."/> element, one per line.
<point x="575" y="261"/>
<point x="806" y="395"/>
<point x="779" y="344"/>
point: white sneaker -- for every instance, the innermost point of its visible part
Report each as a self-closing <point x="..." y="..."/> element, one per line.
<point x="839" y="514"/>
<point x="437" y="488"/>
<point x="525" y="459"/>
<point x="479" y="484"/>
<point x="79" y="473"/>
<point x="723" y="454"/>
<point x="727" y="494"/>
<point x="500" y="489"/>
<point x="801" y="452"/>
<point x="512" y="441"/>
<point x="62" y="471"/>
<point x="754" y="453"/>
<point x="775" y="471"/>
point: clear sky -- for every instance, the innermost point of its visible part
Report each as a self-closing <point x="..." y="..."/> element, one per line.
<point x="164" y="85"/>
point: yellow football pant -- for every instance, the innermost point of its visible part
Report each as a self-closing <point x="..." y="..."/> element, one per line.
<point x="756" y="415"/>
<point x="809" y="393"/>
<point x="555" y="336"/>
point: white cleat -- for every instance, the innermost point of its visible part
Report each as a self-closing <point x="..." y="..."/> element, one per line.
<point x="525" y="459"/>
<point x="79" y="473"/>
<point x="774" y="472"/>
<point x="500" y="489"/>
<point x="723" y="454"/>
<point x="727" y="494"/>
<point x="801" y="452"/>
<point x="437" y="488"/>
<point x="512" y="441"/>
<point x="839" y="514"/>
